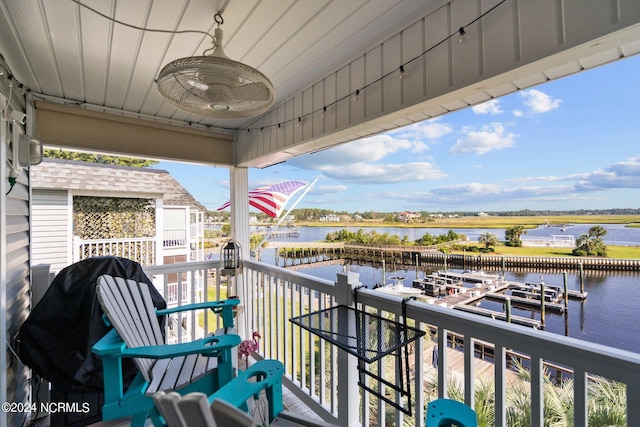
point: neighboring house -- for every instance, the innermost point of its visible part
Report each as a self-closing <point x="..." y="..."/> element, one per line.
<point x="87" y="209"/>
<point x="408" y="216"/>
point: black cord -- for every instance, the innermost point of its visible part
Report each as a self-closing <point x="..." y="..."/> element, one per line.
<point x="135" y="27"/>
<point x="12" y="183"/>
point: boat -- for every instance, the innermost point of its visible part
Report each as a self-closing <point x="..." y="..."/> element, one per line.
<point x="397" y="287"/>
<point x="431" y="286"/>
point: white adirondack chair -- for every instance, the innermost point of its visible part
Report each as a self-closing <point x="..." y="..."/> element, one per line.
<point x="200" y="366"/>
<point x="193" y="410"/>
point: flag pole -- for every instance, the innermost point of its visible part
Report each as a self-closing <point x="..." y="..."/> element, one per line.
<point x="286" y="213"/>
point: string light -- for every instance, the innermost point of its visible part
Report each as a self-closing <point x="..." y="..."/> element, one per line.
<point x="463" y="37"/>
<point x="403" y="72"/>
<point x="299" y="121"/>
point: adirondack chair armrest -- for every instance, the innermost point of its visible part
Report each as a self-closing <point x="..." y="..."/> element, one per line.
<point x="213" y="344"/>
<point x="109" y="344"/>
<point x="221" y="307"/>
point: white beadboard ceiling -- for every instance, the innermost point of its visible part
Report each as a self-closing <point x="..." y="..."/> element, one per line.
<point x="61" y="49"/>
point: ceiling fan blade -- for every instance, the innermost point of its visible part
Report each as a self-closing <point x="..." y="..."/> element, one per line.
<point x="250" y="92"/>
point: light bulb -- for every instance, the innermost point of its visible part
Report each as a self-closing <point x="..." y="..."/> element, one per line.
<point x="464" y="37"/>
<point x="356" y="96"/>
<point x="403" y="72"/>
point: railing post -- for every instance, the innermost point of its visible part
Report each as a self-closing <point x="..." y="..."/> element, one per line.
<point x="348" y="392"/>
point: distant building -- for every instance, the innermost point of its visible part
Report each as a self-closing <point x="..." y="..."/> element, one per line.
<point x="408" y="216"/>
<point x="483" y="214"/>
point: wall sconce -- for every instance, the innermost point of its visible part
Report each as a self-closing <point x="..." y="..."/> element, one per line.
<point x="231" y="256"/>
<point x="29" y="151"/>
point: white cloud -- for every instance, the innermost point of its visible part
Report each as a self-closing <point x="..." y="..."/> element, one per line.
<point x="624" y="174"/>
<point x="327" y="189"/>
<point x="362" y="161"/>
<point x="429" y="129"/>
<point x="377" y="173"/>
<point x="370" y="149"/>
<point x="490" y="107"/>
<point x="539" y="102"/>
<point x="489" y="138"/>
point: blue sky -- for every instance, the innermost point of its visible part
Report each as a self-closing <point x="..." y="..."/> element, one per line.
<point x="572" y="143"/>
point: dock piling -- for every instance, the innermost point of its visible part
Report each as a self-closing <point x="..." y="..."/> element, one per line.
<point x="542" y="308"/>
<point x="508" y="309"/>
<point x="581" y="279"/>
<point x="566" y="292"/>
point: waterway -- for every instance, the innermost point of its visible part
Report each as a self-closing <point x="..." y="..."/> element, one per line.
<point x="610" y="315"/>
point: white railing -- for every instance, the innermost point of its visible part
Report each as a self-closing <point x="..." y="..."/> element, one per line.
<point x="141" y="249"/>
<point x="318" y="372"/>
<point x="174" y="237"/>
<point x="184" y="283"/>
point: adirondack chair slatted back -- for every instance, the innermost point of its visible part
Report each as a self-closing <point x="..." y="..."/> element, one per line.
<point x="129" y="307"/>
<point x="193" y="409"/>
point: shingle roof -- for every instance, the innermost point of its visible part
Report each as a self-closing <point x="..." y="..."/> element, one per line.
<point x="97" y="178"/>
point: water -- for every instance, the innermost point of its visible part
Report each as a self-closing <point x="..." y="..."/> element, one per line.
<point x="617" y="234"/>
<point x="608" y="316"/>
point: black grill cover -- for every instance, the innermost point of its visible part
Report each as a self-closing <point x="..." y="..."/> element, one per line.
<point x="56" y="339"/>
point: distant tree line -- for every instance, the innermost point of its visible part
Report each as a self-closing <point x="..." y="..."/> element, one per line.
<point x="99" y="158"/>
<point x="314" y="214"/>
<point x="375" y="238"/>
<point x="528" y="212"/>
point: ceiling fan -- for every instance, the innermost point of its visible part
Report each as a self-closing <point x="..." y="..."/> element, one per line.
<point x="214" y="85"/>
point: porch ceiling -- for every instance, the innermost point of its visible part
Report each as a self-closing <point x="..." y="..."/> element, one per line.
<point x="66" y="53"/>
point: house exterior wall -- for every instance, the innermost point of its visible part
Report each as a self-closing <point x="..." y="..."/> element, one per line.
<point x="14" y="270"/>
<point x="51" y="228"/>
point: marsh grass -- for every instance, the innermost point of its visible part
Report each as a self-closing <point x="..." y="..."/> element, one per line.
<point x="606" y="400"/>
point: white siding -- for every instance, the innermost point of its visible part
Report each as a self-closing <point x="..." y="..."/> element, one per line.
<point x="50" y="219"/>
<point x="14" y="275"/>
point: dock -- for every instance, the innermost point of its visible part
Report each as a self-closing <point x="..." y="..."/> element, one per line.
<point x="465" y="291"/>
<point x="406" y="255"/>
<point x="530" y="303"/>
<point x="517" y="320"/>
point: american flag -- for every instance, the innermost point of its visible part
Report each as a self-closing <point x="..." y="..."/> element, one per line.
<point x="271" y="199"/>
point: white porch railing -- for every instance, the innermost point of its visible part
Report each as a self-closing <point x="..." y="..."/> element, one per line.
<point x="274" y="295"/>
<point x="184" y="283"/>
<point x="140" y="249"/>
<point x="174" y="237"/>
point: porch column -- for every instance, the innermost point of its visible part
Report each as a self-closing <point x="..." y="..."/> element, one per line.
<point x="159" y="255"/>
<point x="348" y="391"/>
<point x="239" y="196"/>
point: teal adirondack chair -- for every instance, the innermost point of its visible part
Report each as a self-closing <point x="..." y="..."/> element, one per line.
<point x="203" y="365"/>
<point x="448" y="413"/>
